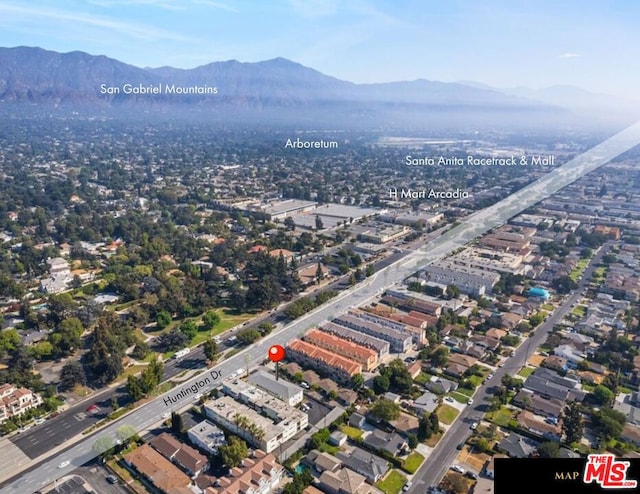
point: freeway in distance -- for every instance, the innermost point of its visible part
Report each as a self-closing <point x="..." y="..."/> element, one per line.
<point x="151" y="413"/>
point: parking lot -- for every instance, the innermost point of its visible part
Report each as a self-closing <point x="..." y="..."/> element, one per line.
<point x="75" y="485"/>
<point x="96" y="476"/>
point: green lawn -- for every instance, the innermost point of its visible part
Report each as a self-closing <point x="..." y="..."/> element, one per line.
<point x="446" y="414"/>
<point x="392" y="483"/>
<point x="580" y="311"/>
<point x="526" y="372"/>
<point x="465" y="391"/>
<point x="475" y="380"/>
<point x="576" y="273"/>
<point x="228" y="319"/>
<point x="624" y="390"/>
<point x="352" y="432"/>
<point x="599" y="272"/>
<point x="413" y="462"/>
<point x="500" y="417"/>
<point x="422" y="378"/>
<point x="459" y="397"/>
<point x="548" y="307"/>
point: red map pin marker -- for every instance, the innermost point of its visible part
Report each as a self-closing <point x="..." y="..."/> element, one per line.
<point x="276" y="353"/>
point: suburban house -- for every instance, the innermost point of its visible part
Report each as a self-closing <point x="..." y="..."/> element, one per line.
<point x="390" y="442"/>
<point x="517" y="446"/>
<point x="364" y="463"/>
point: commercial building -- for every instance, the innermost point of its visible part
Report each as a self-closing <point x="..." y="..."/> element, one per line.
<point x="337" y="367"/>
<point x="282" y="209"/>
<point x="361" y="354"/>
<point x="382" y="235"/>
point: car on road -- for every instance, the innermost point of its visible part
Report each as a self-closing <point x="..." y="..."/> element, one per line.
<point x="489" y="377"/>
<point x="469" y="401"/>
<point x="474" y="426"/>
<point x="457" y="468"/>
<point x="63" y="464"/>
<point x="93" y="408"/>
<point x="406" y="486"/>
<point x="39" y="421"/>
<point x="112" y="479"/>
<point x="460" y="446"/>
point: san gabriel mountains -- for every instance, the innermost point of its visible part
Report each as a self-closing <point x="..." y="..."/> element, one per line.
<point x="270" y="91"/>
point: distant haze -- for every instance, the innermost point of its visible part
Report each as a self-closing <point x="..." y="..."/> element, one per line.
<point x="280" y="89"/>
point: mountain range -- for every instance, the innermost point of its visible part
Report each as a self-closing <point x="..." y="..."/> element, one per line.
<point x="34" y="75"/>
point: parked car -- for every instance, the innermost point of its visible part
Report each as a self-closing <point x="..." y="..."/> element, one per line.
<point x="474" y="426"/>
<point x="471" y="475"/>
<point x="457" y="468"/>
<point x="305" y="385"/>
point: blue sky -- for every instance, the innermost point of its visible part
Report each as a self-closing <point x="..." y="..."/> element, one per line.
<point x="593" y="44"/>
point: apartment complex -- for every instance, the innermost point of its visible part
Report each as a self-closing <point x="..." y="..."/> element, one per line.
<point x="160" y="472"/>
<point x="472" y="281"/>
<point x="244" y="422"/>
<point x="290" y="393"/>
<point x="399" y="342"/>
<point x="358" y="353"/>
<point x="260" y="474"/>
<point x="207" y="436"/>
<point x="416" y="334"/>
<point x="381" y="347"/>
<point x="16" y="401"/>
<point x="289" y="418"/>
<point x="255" y="415"/>
<point x="338" y="367"/>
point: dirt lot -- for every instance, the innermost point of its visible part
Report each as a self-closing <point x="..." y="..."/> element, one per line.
<point x="474" y="460"/>
<point x="535" y="360"/>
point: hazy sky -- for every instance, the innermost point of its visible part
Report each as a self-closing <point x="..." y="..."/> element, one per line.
<point x="593" y="44"/>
